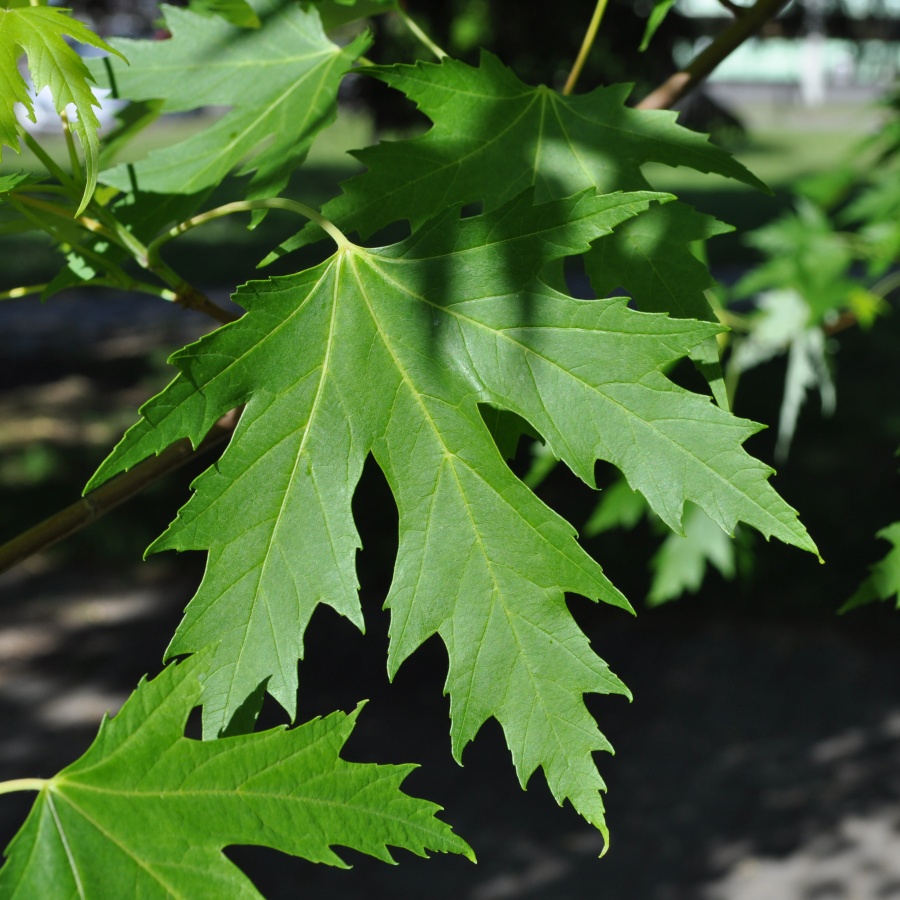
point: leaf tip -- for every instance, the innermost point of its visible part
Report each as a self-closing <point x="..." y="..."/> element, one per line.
<point x="604" y="832"/>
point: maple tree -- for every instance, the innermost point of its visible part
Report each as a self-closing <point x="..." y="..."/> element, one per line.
<point x="433" y="354"/>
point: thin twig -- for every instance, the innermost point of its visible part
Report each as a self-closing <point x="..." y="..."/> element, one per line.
<point x="239" y="206"/>
<point x="681" y="83"/>
<point x="588" y="42"/>
<point x="108" y="496"/>
<point x="74" y="162"/>
<point x="410" y="23"/>
<point x="24" y="291"/>
<point x="734" y="8"/>
<point x="189" y="296"/>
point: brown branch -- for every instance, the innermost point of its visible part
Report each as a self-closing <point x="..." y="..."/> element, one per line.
<point x="108" y="496"/>
<point x="189" y="297"/>
<point x="681" y="83"/>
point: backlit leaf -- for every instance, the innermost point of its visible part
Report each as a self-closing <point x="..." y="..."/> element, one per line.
<point x="390" y="352"/>
<point x="40" y="33"/>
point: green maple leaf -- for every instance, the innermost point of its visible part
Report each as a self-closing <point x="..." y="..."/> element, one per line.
<point x="281" y="82"/>
<point x="40" y="32"/>
<point x="494" y="136"/>
<point x="391" y="351"/>
<point x="146" y="811"/>
<point x="883" y="582"/>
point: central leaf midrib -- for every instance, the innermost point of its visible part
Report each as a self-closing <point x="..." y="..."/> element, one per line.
<point x="450" y="457"/>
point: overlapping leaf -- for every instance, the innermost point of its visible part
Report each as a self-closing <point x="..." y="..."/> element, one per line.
<point x="391" y="351"/>
<point x="281" y="82"/>
<point x="495" y="136"/>
<point x="147" y="812"/>
<point x="336" y="13"/>
<point x="651" y="257"/>
<point x="40" y="32"/>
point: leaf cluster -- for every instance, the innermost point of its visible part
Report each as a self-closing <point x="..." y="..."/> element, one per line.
<point x="434" y="354"/>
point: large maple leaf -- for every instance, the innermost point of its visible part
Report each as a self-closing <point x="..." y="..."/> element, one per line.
<point x="146" y="812"/>
<point x="391" y="351"/>
<point x="281" y="82"/>
<point x="494" y="136"/>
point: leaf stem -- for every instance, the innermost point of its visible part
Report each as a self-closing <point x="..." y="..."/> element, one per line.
<point x="681" y="83"/>
<point x="74" y="162"/>
<point x="104" y="499"/>
<point x="246" y="206"/>
<point x="410" y="23"/>
<point x="23" y="784"/>
<point x="50" y="164"/>
<point x="61" y="212"/>
<point x="588" y="42"/>
<point x="887" y="284"/>
<point x="182" y="292"/>
<point x="24" y="291"/>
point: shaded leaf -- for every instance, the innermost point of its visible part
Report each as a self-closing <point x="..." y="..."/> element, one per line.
<point x="281" y="82"/>
<point x="619" y="507"/>
<point x="494" y="136"/>
<point x="336" y="13"/>
<point x="651" y="256"/>
<point x="237" y="12"/>
<point x="680" y="563"/>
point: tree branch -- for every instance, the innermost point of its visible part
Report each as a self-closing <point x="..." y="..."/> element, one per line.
<point x="108" y="496"/>
<point x="681" y="83"/>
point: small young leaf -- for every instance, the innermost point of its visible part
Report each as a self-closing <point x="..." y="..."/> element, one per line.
<point x="40" y="31"/>
<point x="147" y="812"/>
<point x="657" y="16"/>
<point x="782" y="326"/>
